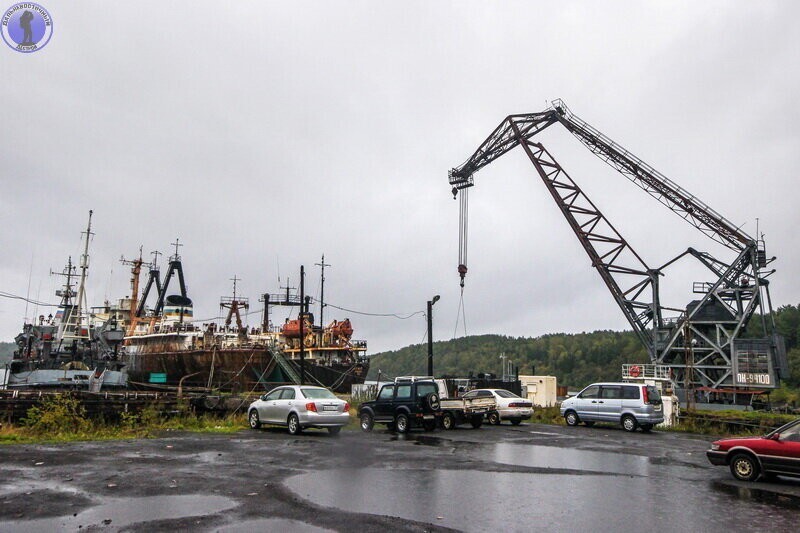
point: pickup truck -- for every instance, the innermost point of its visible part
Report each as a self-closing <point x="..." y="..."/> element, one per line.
<point x="462" y="410"/>
<point x="403" y="405"/>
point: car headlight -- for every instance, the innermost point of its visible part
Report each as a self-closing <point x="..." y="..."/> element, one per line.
<point x="714" y="447"/>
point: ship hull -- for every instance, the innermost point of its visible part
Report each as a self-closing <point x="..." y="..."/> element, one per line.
<point x="239" y="370"/>
<point x="337" y="377"/>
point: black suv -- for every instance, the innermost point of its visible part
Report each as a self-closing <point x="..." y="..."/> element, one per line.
<point x="403" y="405"/>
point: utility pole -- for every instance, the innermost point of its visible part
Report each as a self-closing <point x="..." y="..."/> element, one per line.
<point x="322" y="290"/>
<point x="430" y="333"/>
<point x="301" y="318"/>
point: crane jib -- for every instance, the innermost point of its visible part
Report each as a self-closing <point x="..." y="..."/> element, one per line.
<point x="726" y="305"/>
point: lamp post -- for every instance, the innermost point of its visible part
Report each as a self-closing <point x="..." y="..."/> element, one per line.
<point x="430" y="333"/>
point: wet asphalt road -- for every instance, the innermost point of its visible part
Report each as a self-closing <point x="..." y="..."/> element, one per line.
<point x="525" y="478"/>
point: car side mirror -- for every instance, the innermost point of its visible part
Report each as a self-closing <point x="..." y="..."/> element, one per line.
<point x="775" y="436"/>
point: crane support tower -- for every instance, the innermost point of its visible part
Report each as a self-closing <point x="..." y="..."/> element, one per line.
<point x="710" y="328"/>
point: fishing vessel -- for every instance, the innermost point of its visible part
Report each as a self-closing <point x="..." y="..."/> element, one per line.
<point x="73" y="349"/>
<point x="167" y="347"/>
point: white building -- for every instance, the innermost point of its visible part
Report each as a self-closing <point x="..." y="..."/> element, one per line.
<point x="541" y="390"/>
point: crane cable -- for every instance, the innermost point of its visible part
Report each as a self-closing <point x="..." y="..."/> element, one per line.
<point x="463" y="232"/>
<point x="461" y="314"/>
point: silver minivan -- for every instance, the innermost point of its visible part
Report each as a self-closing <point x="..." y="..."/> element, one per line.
<point x="629" y="404"/>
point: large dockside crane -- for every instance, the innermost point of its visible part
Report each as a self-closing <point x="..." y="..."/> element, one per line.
<point x="703" y="344"/>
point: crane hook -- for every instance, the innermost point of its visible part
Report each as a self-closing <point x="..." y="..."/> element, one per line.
<point x="462" y="271"/>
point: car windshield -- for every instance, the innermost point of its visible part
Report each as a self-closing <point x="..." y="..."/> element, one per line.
<point x="505" y="394"/>
<point x="783" y="428"/>
<point x="318" y="394"/>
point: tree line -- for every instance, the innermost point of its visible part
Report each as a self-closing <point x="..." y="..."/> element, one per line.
<point x="576" y="359"/>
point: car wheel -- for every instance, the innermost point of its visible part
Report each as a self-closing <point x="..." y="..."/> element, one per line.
<point x="294" y="424"/>
<point x="367" y="422"/>
<point x="429" y="425"/>
<point x="744" y="467"/>
<point x="629" y="423"/>
<point x="494" y="418"/>
<point x="402" y="423"/>
<point x="255" y="423"/>
<point x="476" y="421"/>
<point x="335" y="430"/>
<point x="646" y="427"/>
<point x="571" y="418"/>
<point x="588" y="424"/>
<point x="516" y="421"/>
<point x="448" y="422"/>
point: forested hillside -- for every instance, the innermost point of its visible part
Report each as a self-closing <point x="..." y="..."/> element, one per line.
<point x="575" y="359"/>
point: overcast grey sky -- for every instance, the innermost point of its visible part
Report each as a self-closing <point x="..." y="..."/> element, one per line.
<point x="264" y="134"/>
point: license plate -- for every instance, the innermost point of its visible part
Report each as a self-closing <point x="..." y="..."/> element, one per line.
<point x="329" y="408"/>
<point x="658" y="407"/>
<point x="428" y="417"/>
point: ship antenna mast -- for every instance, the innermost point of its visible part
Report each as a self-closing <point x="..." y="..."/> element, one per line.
<point x="322" y="290"/>
<point x="84" y="266"/>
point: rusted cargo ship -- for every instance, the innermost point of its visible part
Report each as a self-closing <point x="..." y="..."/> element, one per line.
<point x="166" y="346"/>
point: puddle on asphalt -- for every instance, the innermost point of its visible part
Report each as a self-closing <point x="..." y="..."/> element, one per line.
<point x="428" y="441"/>
<point x="758" y="495"/>
<point x="570" y="459"/>
<point x="120" y="512"/>
<point x="271" y="524"/>
<point x="471" y="500"/>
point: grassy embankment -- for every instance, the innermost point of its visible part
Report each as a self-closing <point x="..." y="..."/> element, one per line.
<point x="63" y="419"/>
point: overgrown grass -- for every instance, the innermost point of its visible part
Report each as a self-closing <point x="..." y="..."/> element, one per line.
<point x="730" y="422"/>
<point x="62" y="418"/>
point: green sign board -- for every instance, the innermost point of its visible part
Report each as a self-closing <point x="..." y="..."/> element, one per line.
<point x="158" y="377"/>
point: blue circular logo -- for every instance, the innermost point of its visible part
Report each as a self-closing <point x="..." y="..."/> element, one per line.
<point x="26" y="27"/>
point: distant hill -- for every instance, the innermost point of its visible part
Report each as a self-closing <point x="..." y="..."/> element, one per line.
<point x="575" y="359"/>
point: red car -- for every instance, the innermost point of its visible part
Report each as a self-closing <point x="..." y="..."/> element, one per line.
<point x="776" y="453"/>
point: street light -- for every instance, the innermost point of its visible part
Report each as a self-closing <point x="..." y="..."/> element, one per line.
<point x="430" y="333"/>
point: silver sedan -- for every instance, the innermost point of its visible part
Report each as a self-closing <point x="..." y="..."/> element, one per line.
<point x="509" y="405"/>
<point x="299" y="407"/>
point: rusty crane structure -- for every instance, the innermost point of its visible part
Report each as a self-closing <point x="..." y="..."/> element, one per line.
<point x="703" y="344"/>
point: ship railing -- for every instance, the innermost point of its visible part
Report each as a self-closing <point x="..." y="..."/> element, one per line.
<point x="645" y="371"/>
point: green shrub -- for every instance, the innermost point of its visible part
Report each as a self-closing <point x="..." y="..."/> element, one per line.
<point x="57" y="415"/>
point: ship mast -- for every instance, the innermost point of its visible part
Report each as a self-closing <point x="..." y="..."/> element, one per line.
<point x="81" y="301"/>
<point x="136" y="269"/>
<point x="322" y="291"/>
<point x="66" y="299"/>
<point x="234" y="305"/>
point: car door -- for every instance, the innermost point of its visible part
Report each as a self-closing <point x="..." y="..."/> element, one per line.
<point x="586" y="403"/>
<point x="285" y="404"/>
<point x="383" y="407"/>
<point x="269" y="406"/>
<point x="402" y="397"/>
<point x="782" y="453"/>
<point x="609" y="404"/>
